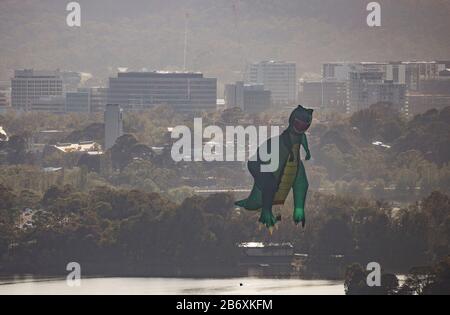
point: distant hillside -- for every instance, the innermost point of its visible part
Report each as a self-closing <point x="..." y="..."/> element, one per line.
<point x="224" y="34"/>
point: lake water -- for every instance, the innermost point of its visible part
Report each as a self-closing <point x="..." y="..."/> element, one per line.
<point x="172" y="286"/>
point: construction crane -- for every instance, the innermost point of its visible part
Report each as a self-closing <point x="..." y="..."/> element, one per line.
<point x="186" y="25"/>
<point x="236" y="16"/>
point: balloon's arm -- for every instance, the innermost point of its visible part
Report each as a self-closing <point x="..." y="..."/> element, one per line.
<point x="306" y="147"/>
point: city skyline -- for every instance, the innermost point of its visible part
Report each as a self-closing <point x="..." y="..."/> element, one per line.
<point x="225" y="147"/>
<point x="338" y="89"/>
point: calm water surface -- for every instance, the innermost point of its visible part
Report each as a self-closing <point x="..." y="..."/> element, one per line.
<point x="172" y="286"/>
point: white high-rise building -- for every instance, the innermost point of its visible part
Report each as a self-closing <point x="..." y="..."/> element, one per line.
<point x="113" y="125"/>
<point x="278" y="77"/>
<point x="29" y="85"/>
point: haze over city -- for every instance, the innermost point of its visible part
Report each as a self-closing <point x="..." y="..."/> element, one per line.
<point x="134" y="148"/>
<point x="222" y="35"/>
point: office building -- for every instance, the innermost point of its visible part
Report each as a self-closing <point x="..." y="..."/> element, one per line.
<point x="432" y="93"/>
<point x="278" y="77"/>
<point x="251" y="98"/>
<point x="29" y="85"/>
<point x="256" y="98"/>
<point x="418" y="71"/>
<point x="98" y="99"/>
<point x="113" y="125"/>
<point x="78" y="102"/>
<point x="49" y="104"/>
<point x="87" y="100"/>
<point x="410" y="73"/>
<point x="71" y="80"/>
<point x="234" y="95"/>
<point x="419" y="103"/>
<point x="440" y="86"/>
<point x="5" y="94"/>
<point x="185" y="92"/>
<point x="367" y="88"/>
<point x="372" y="82"/>
<point x="4" y="104"/>
<point x="337" y="71"/>
<point x="324" y="94"/>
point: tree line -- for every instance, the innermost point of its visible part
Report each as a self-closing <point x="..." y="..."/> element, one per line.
<point x="118" y="231"/>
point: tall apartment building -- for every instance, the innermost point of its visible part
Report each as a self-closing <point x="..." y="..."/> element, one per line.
<point x="185" y="92"/>
<point x="367" y="88"/>
<point x="113" y="125"/>
<point x="252" y="98"/>
<point x="278" y="77"/>
<point x="29" y="85"/>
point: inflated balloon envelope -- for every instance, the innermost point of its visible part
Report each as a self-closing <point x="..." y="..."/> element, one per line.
<point x="272" y="188"/>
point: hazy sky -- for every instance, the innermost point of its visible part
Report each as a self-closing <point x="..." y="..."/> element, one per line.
<point x="224" y="35"/>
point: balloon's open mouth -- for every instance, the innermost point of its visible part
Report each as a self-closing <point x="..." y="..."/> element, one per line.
<point x="300" y="126"/>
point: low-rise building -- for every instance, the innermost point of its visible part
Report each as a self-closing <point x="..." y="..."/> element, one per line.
<point x="266" y="259"/>
<point x="89" y="147"/>
<point x="3" y="134"/>
<point x="49" y="104"/>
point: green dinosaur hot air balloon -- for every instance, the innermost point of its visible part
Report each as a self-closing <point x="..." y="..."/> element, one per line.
<point x="272" y="188"/>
